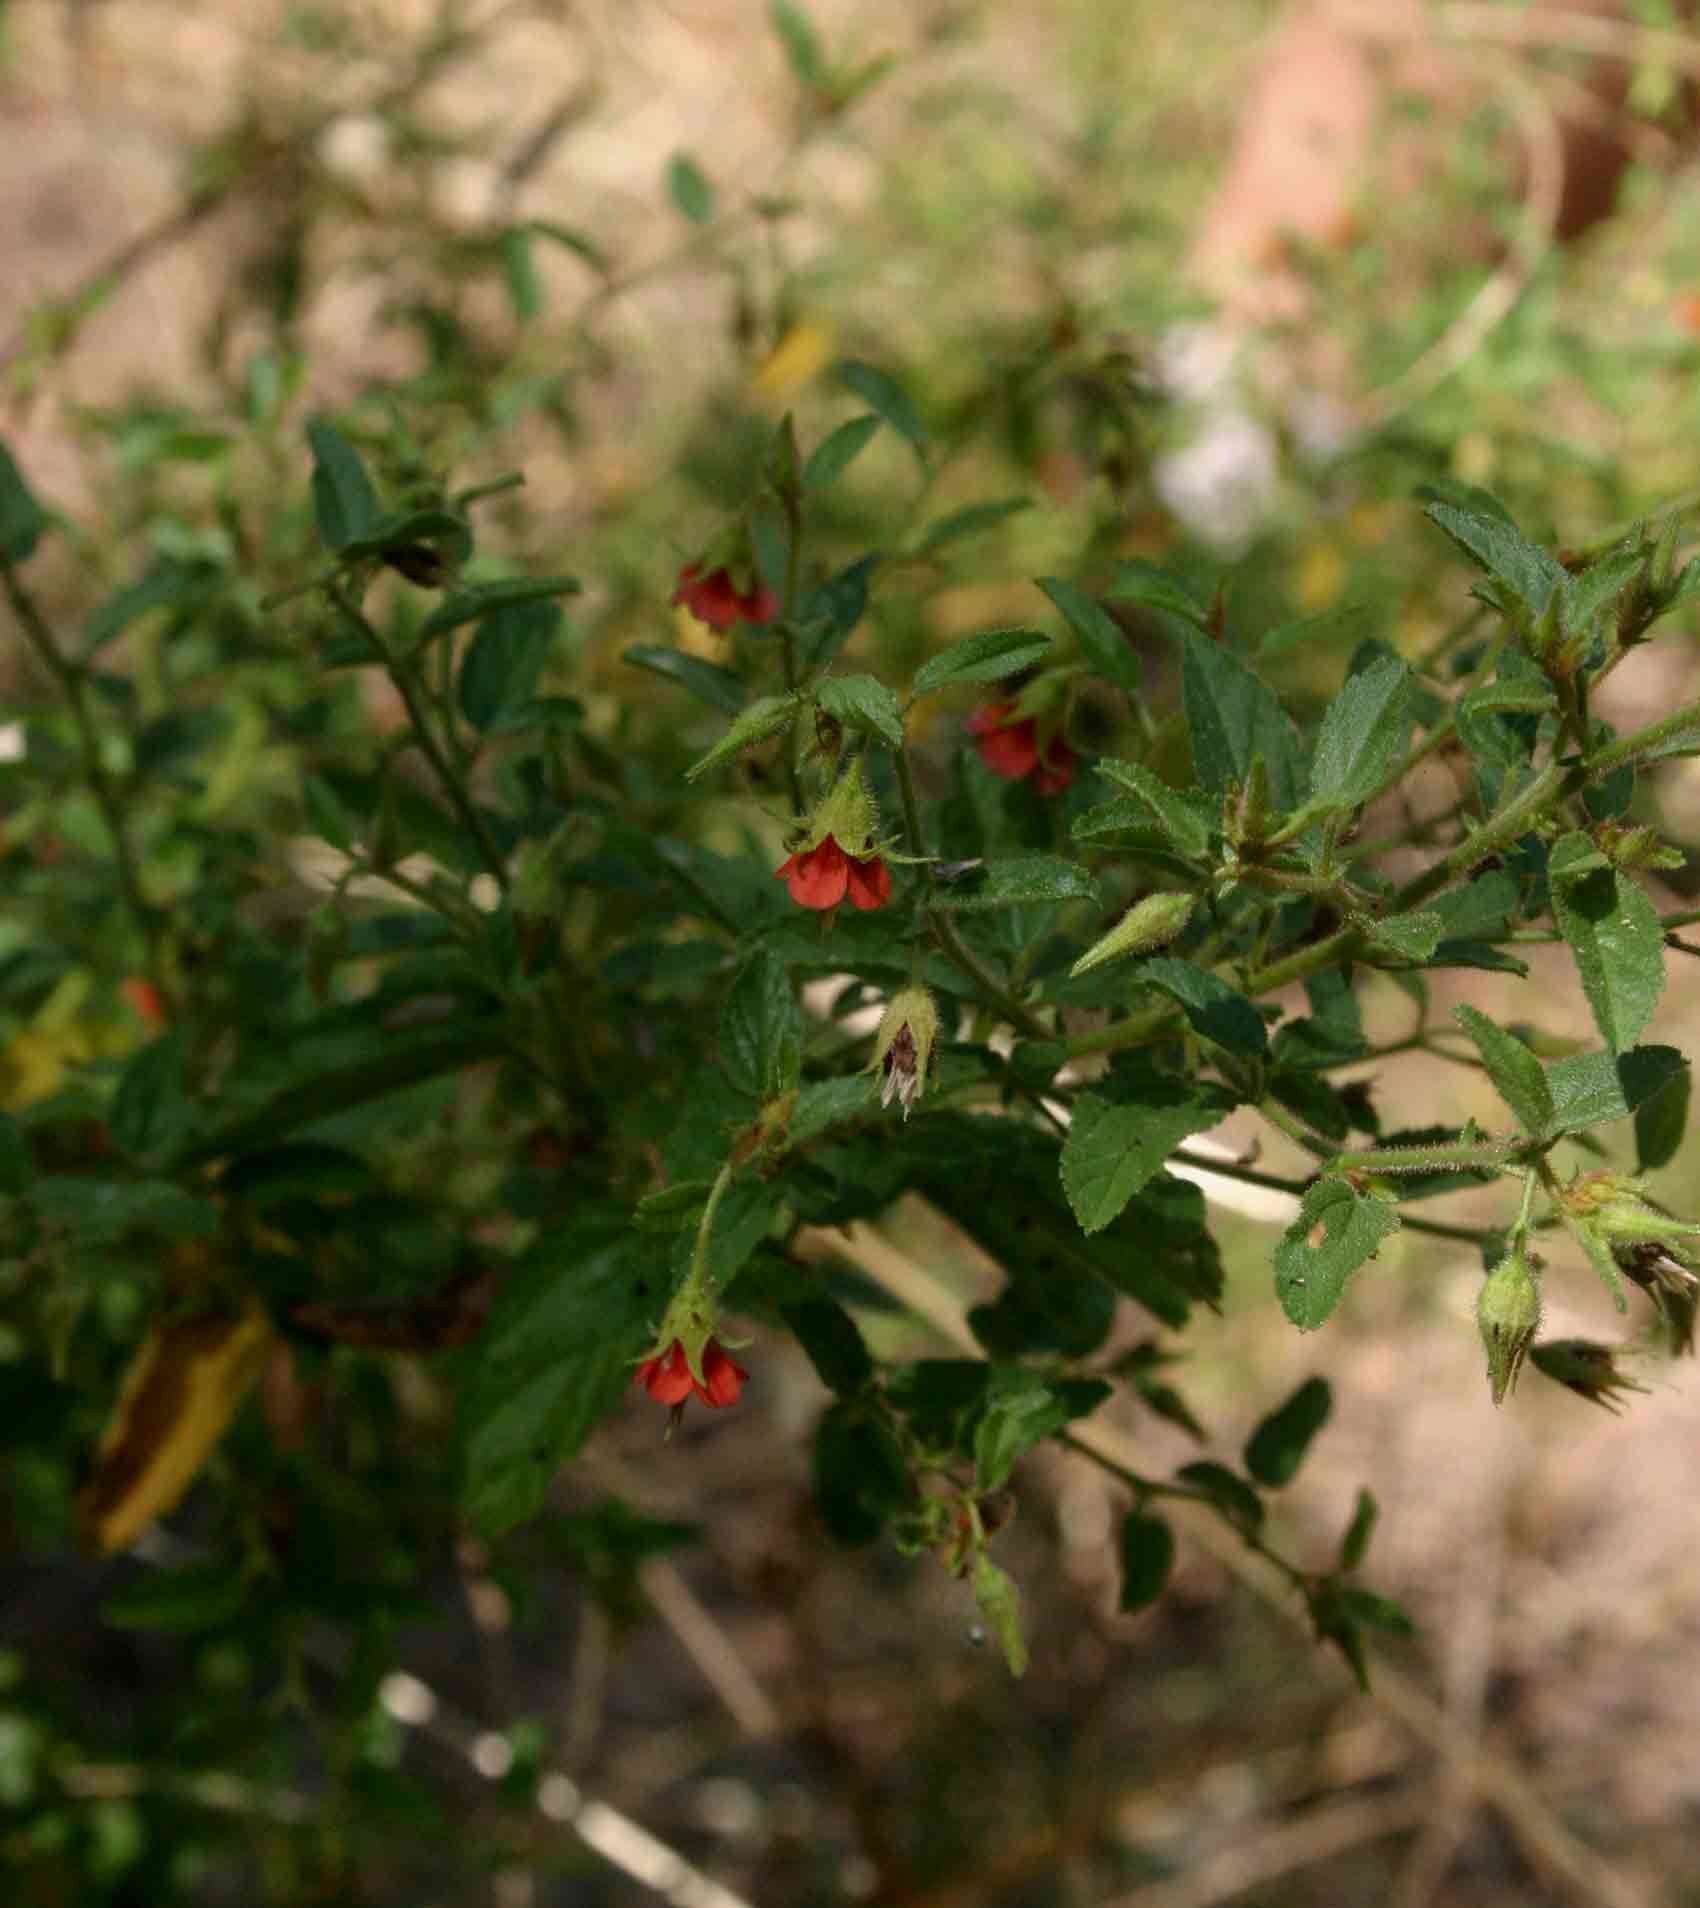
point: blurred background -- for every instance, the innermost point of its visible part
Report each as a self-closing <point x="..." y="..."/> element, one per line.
<point x="1216" y="285"/>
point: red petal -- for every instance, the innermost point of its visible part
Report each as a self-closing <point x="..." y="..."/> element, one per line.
<point x="817" y="879"/>
<point x="723" y="1376"/>
<point x="710" y="599"/>
<point x="1012" y="752"/>
<point x="667" y="1378"/>
<point x="869" y="882"/>
<point x="760" y="606"/>
<point x="989" y="717"/>
<point x="1057" y="769"/>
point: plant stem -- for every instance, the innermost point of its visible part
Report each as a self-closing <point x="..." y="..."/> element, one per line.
<point x="72" y="680"/>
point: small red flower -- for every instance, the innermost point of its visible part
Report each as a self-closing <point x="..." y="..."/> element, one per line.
<point x="144" y="1001"/>
<point x="1009" y="747"/>
<point x="822" y="877"/>
<point x="715" y="599"/>
<point x="668" y="1378"/>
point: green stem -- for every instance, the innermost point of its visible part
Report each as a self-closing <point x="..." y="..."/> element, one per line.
<point x="72" y="680"/>
<point x="1460" y="1154"/>
<point x="697" y="1277"/>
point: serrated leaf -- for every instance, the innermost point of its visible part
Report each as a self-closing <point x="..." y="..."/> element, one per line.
<point x="989" y="656"/>
<point x="761" y="1030"/>
<point x="690" y="189"/>
<point x="707" y="681"/>
<point x="1147" y="1557"/>
<point x="1112" y="1150"/>
<point x="345" y="505"/>
<point x="863" y="703"/>
<point x="1022" y="1409"/>
<point x="1335" y="1232"/>
<point x="559" y="1347"/>
<point x="673" y="1207"/>
<point x="860" y="1475"/>
<point x="823" y="1104"/>
<point x="1218" y="1011"/>
<point x="887" y="398"/>
<point x="1363" y="735"/>
<point x="1098" y="633"/>
<point x="1234" y="719"/>
<point x="1527" y="573"/>
<point x="1590" y="1089"/>
<point x="152" y="1112"/>
<point x="1411" y="937"/>
<point x="1615" y="938"/>
<point x="1185" y="817"/>
<point x="505" y="658"/>
<point x="833" y="1344"/>
<point x="1024" y="881"/>
<point x="766" y="716"/>
<point x="835" y="454"/>
<point x="1518" y="1077"/>
<point x="22" y="519"/>
<point x="1277" y="1448"/>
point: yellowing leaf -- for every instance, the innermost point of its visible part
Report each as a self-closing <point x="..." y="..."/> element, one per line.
<point x="177" y="1400"/>
<point x="803" y="353"/>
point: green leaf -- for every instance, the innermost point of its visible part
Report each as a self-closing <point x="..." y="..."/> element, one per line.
<point x="1100" y="636"/>
<point x="1228" y="1491"/>
<point x="835" y="454"/>
<point x="690" y="189"/>
<point x="572" y="240"/>
<point x="863" y="703"/>
<point x="1518" y="1077"/>
<point x="823" y="1104"/>
<point x="673" y="1207"/>
<point x="1116" y="1147"/>
<point x="1591" y="1088"/>
<point x="989" y="656"/>
<point x="796" y="33"/>
<point x="1025" y="881"/>
<point x="884" y="395"/>
<point x="766" y="716"/>
<point x="1354" y="1545"/>
<point x="969" y="522"/>
<point x="1277" y="1448"/>
<point x="152" y="1112"/>
<point x="1000" y="1605"/>
<point x="1137" y="581"/>
<point x="505" y="658"/>
<point x="1216" y="1010"/>
<point x="344" y="504"/>
<point x="196" y="1596"/>
<point x="707" y="681"/>
<point x="519" y="269"/>
<point x="1408" y="937"/>
<point x="1185" y="817"/>
<point x="559" y="1348"/>
<point x="1363" y="734"/>
<point x="1660" y="1124"/>
<point x="761" y="1030"/>
<point x="1148" y="1555"/>
<point x="1336" y="1230"/>
<point x="167" y="583"/>
<point x="467" y="606"/>
<point x="860" y="1475"/>
<point x="1023" y="1409"/>
<point x="450" y="536"/>
<point x="1380" y="1613"/>
<point x="1527" y="575"/>
<point x="833" y="1343"/>
<point x="1234" y="718"/>
<point x="1615" y="938"/>
<point x="22" y="519"/>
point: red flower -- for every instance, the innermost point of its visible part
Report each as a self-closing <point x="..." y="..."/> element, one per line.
<point x="823" y="876"/>
<point x="716" y="600"/>
<point x="1009" y="747"/>
<point x="668" y="1379"/>
<point x="144" y="1000"/>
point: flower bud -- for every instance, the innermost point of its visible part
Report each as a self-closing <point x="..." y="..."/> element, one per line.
<point x="1588" y="1369"/>
<point x="1148" y="924"/>
<point x="1508" y="1314"/>
<point x="904" y="1046"/>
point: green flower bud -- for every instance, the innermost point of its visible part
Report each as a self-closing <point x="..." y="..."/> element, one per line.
<point x="1588" y="1369"/>
<point x="1148" y="924"/>
<point x="904" y="1046"/>
<point x="1508" y="1313"/>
